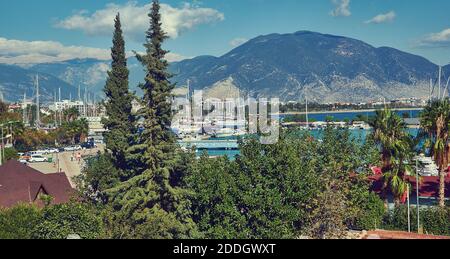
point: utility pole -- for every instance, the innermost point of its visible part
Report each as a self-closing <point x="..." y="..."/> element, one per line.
<point x="38" y="119"/>
<point x="417" y="198"/>
<point x="409" y="209"/>
<point x="24" y="109"/>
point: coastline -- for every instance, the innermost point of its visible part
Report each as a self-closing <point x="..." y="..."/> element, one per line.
<point x="348" y="111"/>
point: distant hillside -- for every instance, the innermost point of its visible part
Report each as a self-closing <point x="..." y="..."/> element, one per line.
<point x="90" y="72"/>
<point x="15" y="81"/>
<point x="331" y="68"/>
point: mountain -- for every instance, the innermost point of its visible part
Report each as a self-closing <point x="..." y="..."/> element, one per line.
<point x="90" y="73"/>
<point x="15" y="81"/>
<point x="84" y="72"/>
<point x="331" y="68"/>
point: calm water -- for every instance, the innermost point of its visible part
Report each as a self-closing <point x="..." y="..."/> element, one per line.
<point x="356" y="134"/>
<point x="353" y="115"/>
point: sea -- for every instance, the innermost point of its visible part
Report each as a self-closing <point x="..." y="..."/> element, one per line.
<point x="357" y="134"/>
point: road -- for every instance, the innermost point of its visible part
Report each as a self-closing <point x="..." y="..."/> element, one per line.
<point x="67" y="163"/>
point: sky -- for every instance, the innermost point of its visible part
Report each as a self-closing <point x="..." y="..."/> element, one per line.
<point x="53" y="30"/>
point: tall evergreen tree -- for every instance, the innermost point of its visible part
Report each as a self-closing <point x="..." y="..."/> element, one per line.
<point x="118" y="104"/>
<point x="153" y="200"/>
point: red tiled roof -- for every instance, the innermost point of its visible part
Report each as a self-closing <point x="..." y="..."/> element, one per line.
<point x="428" y="185"/>
<point x="383" y="234"/>
<point x="22" y="184"/>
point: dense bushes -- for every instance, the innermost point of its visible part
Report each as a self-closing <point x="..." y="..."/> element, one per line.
<point x="18" y="222"/>
<point x="52" y="222"/>
<point x="433" y="220"/>
<point x="295" y="187"/>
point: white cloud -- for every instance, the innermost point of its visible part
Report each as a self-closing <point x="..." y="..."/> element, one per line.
<point x="238" y="41"/>
<point x="342" y="8"/>
<point x="37" y="52"/>
<point x="438" y="39"/>
<point x="383" y="18"/>
<point x="33" y="52"/>
<point x="174" y="57"/>
<point x="135" y="19"/>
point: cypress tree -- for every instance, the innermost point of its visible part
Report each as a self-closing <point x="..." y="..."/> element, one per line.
<point x="154" y="201"/>
<point x="118" y="103"/>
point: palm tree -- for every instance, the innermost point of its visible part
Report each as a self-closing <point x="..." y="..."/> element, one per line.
<point x="435" y="121"/>
<point x="390" y="135"/>
<point x="71" y="114"/>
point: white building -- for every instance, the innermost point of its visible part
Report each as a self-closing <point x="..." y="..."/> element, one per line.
<point x="67" y="104"/>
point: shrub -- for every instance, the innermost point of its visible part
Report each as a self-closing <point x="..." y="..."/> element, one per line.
<point x="60" y="221"/>
<point x="18" y="222"/>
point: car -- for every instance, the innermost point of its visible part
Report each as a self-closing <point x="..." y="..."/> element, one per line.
<point x="73" y="148"/>
<point x="88" y="145"/>
<point x="23" y="161"/>
<point x="42" y="151"/>
<point x="38" y="159"/>
<point x="36" y="153"/>
<point x="52" y="150"/>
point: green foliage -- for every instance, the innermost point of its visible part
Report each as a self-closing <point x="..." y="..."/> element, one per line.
<point x="60" y="221"/>
<point x="118" y="103"/>
<point x="99" y="175"/>
<point x="435" y="123"/>
<point x="370" y="209"/>
<point x="396" y="148"/>
<point x="153" y="200"/>
<point x="18" y="222"/>
<point x="72" y="132"/>
<point x="433" y="220"/>
<point x="296" y="186"/>
<point x="10" y="153"/>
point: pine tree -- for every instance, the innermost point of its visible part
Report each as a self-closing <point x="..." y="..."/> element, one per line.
<point x="153" y="201"/>
<point x="118" y="104"/>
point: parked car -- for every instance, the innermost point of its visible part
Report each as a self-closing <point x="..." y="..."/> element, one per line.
<point x="88" y="145"/>
<point x="73" y="148"/>
<point x="38" y="159"/>
<point x="52" y="150"/>
<point x="36" y="153"/>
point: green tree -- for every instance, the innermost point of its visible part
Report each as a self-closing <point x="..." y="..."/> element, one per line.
<point x="71" y="114"/>
<point x="18" y="222"/>
<point x="389" y="132"/>
<point x="60" y="221"/>
<point x="298" y="186"/>
<point x="119" y="120"/>
<point x="435" y="121"/>
<point x="154" y="192"/>
<point x="99" y="175"/>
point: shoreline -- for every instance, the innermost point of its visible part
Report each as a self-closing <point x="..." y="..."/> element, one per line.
<point x="348" y="111"/>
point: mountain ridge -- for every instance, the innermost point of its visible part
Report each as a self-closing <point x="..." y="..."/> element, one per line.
<point x="330" y="68"/>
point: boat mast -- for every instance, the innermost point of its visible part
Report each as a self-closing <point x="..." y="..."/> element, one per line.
<point x="306" y="99"/>
<point x="439" y="82"/>
<point x="38" y="119"/>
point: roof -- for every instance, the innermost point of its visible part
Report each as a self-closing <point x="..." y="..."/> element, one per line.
<point x="428" y="185"/>
<point x="22" y="184"/>
<point x="383" y="234"/>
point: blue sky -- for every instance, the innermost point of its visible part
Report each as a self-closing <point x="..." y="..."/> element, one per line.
<point x="52" y="30"/>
